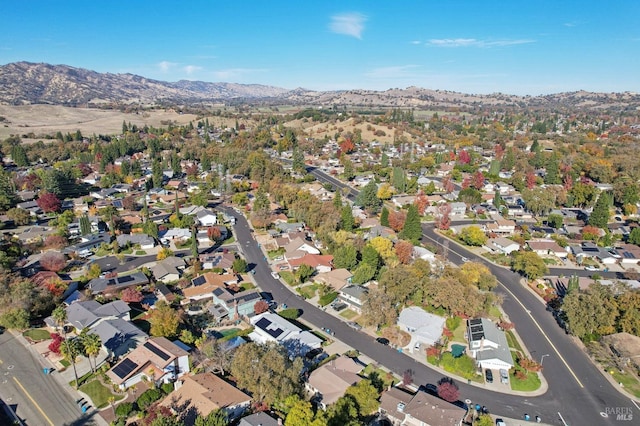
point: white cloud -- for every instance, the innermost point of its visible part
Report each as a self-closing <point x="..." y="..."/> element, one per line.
<point x="190" y="69"/>
<point x="472" y="42"/>
<point x="351" y="24"/>
<point x="570" y="24"/>
<point x="416" y="42"/>
<point x="165" y="66"/>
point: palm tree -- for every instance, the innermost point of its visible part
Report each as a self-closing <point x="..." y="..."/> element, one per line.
<point x="91" y="344"/>
<point x="70" y="348"/>
<point x="59" y="315"/>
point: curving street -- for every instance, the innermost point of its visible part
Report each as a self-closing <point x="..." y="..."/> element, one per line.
<point x="577" y="389"/>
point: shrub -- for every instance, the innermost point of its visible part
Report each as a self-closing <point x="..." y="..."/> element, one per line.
<point x="453" y="322"/>
<point x="124" y="409"/>
<point x="167" y="388"/>
<point x="148" y="397"/>
<point x="291" y="313"/>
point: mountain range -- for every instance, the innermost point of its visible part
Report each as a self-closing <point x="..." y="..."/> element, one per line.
<point x="39" y="83"/>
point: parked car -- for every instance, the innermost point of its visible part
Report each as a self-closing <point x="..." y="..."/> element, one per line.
<point x="591" y="268"/>
<point x="382" y="340"/>
<point x="354" y="325"/>
<point x="504" y="376"/>
<point x="500" y="422"/>
<point x="464" y="259"/>
<point x="488" y="375"/>
<point x="275" y="275"/>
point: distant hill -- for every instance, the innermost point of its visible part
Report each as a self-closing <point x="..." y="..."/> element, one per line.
<point x="29" y="83"/>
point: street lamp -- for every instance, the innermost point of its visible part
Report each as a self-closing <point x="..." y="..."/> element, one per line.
<point x="542" y="359"/>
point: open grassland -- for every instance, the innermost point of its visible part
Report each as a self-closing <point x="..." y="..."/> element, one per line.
<point x="48" y="119"/>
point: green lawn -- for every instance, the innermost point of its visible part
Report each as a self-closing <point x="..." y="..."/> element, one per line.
<point x="141" y="253"/>
<point x="99" y="393"/>
<point x="458" y="334"/>
<point x="387" y="378"/>
<point x="531" y="383"/>
<point x="247" y="285"/>
<point x="37" y="334"/>
<point x="308" y="291"/>
<point x="513" y="342"/>
<point x="630" y="383"/>
<point x="288" y="277"/>
<point x="348" y="314"/>
<point x="494" y="313"/>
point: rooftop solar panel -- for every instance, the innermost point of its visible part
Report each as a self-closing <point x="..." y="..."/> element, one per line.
<point x="156" y="350"/>
<point x="124" y="368"/>
<point x="199" y="280"/>
<point x="263" y="323"/>
<point x="475" y="321"/>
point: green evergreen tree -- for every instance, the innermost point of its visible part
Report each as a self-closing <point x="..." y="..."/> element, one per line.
<point x="399" y="180"/>
<point x="19" y="156"/>
<point x="194" y="243"/>
<point x="552" y="171"/>
<point x="384" y="216"/>
<point x="368" y="197"/>
<point x="600" y="215"/>
<point x="85" y="225"/>
<point x="347" y="222"/>
<point x="412" y="230"/>
<point x="337" y="200"/>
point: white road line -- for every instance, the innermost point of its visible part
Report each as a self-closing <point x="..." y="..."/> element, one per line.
<point x="636" y="404"/>
<point x="536" y="324"/>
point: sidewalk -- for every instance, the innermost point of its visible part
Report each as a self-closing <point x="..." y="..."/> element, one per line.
<point x="62" y="378"/>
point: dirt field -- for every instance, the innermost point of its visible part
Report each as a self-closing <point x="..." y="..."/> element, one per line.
<point x="49" y="119"/>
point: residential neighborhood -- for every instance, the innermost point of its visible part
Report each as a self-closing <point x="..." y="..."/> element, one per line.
<point x="163" y="279"/>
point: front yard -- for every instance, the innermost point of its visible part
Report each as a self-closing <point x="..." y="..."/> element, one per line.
<point x="37" y="334"/>
<point x="99" y="393"/>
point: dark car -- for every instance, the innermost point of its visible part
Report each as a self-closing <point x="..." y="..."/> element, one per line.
<point x="488" y="375"/>
<point x="382" y="340"/>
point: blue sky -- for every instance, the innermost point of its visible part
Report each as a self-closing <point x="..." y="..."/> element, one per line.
<point x="472" y="46"/>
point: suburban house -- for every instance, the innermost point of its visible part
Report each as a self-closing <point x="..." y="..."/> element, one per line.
<point x="319" y="262"/>
<point x="458" y="208"/>
<point x="259" y="419"/>
<point x="329" y="382"/>
<point x="501" y="245"/>
<point x="206" y="218"/>
<point x="424" y="254"/>
<point x="116" y="284"/>
<point x="223" y="260"/>
<point x="501" y="226"/>
<point x="157" y="359"/>
<point x="175" y="234"/>
<point x="238" y="304"/>
<point x="298" y="247"/>
<point x="336" y="278"/>
<point x="547" y="248"/>
<point x="419" y="409"/>
<point x="109" y="321"/>
<point x="200" y="394"/>
<point x="168" y="269"/>
<point x="591" y="250"/>
<point x="488" y="344"/>
<point x="353" y="296"/>
<point x="88" y="242"/>
<point x="145" y="241"/>
<point x="629" y="254"/>
<point x="202" y="286"/>
<point x="424" y="328"/>
<point x="269" y="327"/>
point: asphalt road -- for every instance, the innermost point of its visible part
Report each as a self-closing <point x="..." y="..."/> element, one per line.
<point x="577" y="389"/>
<point x="39" y="400"/>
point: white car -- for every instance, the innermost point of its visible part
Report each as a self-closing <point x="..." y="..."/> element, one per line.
<point x="591" y="268"/>
<point x="275" y="275"/>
